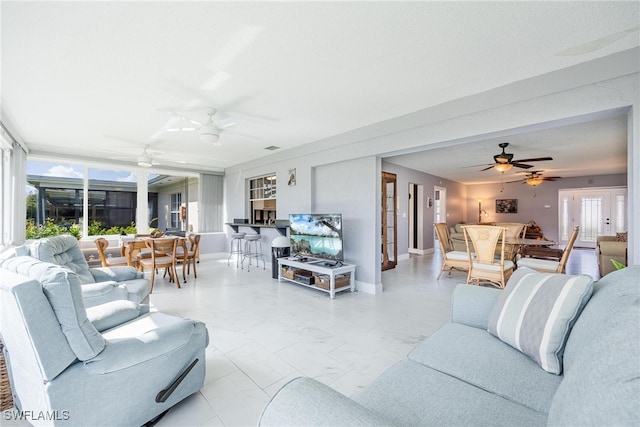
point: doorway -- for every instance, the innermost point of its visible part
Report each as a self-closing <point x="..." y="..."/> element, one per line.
<point x="598" y="212"/>
<point x="439" y="204"/>
<point x="416" y="218"/>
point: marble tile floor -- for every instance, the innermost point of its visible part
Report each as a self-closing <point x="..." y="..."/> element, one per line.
<point x="264" y="333"/>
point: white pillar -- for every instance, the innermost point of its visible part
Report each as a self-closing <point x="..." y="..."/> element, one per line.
<point x="142" y="211"/>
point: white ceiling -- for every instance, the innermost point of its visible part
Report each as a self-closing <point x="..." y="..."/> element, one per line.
<point x="99" y="79"/>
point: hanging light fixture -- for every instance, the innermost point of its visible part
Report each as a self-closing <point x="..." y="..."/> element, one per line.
<point x="503" y="167"/>
<point x="534" y="181"/>
<point x="209" y="132"/>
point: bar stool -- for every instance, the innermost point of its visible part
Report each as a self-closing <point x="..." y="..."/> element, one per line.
<point x="253" y="249"/>
<point x="238" y="239"/>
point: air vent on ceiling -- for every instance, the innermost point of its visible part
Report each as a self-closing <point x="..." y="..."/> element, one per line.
<point x="271" y="148"/>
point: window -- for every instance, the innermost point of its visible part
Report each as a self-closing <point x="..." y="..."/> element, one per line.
<point x="56" y="195"/>
<point x="262" y="199"/>
<point x="176" y="202"/>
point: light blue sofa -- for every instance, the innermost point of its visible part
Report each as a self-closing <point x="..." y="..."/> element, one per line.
<point x="99" y="285"/>
<point x="463" y="375"/>
<point x="102" y="366"/>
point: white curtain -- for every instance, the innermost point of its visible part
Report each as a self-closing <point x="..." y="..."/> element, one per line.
<point x="211" y="203"/>
<point x="14" y="193"/>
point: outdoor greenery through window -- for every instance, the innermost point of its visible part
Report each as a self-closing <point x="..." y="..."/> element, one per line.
<point x="55" y="200"/>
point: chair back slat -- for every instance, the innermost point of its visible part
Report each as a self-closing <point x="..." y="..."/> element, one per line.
<point x="484" y="239"/>
<point x="567" y="250"/>
<point x="443" y="237"/>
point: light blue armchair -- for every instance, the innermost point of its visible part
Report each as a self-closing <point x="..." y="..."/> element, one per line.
<point x="63" y="371"/>
<point x="121" y="282"/>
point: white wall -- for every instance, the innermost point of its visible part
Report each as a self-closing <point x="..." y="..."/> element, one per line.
<point x="532" y="201"/>
<point x="346" y="188"/>
<point x="587" y="90"/>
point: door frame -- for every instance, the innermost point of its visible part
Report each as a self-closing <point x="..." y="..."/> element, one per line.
<point x="416" y="219"/>
<point x="570" y="216"/>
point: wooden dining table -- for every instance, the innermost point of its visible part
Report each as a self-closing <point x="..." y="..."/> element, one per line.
<point x="133" y="248"/>
<point x="519" y="244"/>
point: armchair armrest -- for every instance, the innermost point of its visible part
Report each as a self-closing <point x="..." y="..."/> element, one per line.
<point x="118" y="273"/>
<point x="122" y="353"/>
<point x="612" y="248"/>
<point x="307" y="402"/>
<point x="111" y="314"/>
<point x="103" y="292"/>
<point x="472" y="305"/>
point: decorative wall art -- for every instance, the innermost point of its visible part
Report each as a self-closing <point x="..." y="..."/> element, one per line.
<point x="506" y="205"/>
<point x="292" y="177"/>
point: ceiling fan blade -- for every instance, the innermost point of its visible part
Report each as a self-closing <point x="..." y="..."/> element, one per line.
<point x="486" y="169"/>
<point x="227" y="123"/>
<point x="522" y="165"/>
<point x="537" y="159"/>
<point x="477" y="166"/>
<point x="179" y="129"/>
<point x="517" y="180"/>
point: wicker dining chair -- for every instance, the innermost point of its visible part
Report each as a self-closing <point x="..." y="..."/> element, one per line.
<point x="451" y="258"/>
<point x="486" y="267"/>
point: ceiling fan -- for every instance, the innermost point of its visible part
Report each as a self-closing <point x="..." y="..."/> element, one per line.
<point x="146" y="159"/>
<point x="535" y="178"/>
<point x="504" y="161"/>
<point x="209" y="131"/>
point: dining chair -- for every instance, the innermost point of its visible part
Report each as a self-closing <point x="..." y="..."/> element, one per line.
<point x="108" y="261"/>
<point x="485" y="266"/>
<point x="451" y="258"/>
<point x="163" y="255"/>
<point x="514" y="230"/>
<point x="551" y="266"/>
<point x="187" y="254"/>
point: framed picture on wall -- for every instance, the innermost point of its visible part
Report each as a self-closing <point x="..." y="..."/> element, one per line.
<point x="292" y="177"/>
<point x="506" y="205"/>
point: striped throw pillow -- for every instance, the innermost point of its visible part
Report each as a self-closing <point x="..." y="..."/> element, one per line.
<point x="536" y="311"/>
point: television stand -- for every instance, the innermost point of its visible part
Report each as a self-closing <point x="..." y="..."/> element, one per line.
<point x="326" y="274"/>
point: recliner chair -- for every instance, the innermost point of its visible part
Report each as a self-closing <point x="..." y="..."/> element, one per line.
<point x="63" y="371"/>
<point x="64" y="250"/>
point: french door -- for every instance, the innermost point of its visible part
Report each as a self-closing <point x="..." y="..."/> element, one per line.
<point x="598" y="212"/>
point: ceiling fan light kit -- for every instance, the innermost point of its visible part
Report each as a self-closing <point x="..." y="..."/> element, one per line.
<point x="534" y="181"/>
<point x="210" y="134"/>
<point x="144" y="161"/>
<point x="503" y="167"/>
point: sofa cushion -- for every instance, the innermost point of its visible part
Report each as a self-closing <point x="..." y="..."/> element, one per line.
<point x="63" y="250"/>
<point x="411" y="394"/>
<point x="62" y="289"/>
<point x="65" y="298"/>
<point x="491" y="365"/>
<point x="536" y="311"/>
<point x="602" y="357"/>
<point x="621" y="237"/>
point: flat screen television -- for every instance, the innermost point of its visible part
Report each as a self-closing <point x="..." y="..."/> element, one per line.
<point x="316" y="235"/>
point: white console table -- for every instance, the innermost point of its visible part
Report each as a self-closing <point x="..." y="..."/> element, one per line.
<point x="321" y="267"/>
